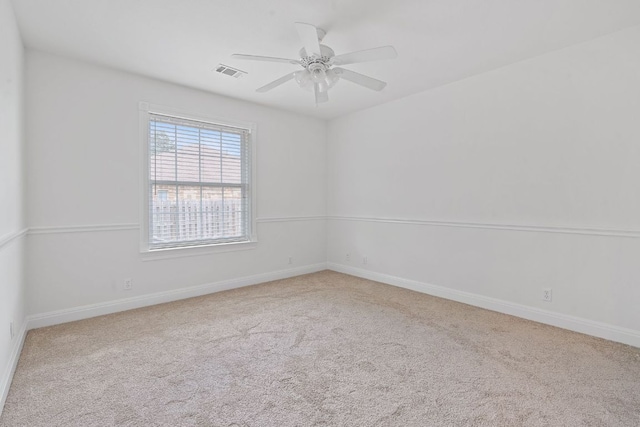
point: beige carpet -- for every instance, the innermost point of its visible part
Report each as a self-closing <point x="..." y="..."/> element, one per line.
<point x="324" y="349"/>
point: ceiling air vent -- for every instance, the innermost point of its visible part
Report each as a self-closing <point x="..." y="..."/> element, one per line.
<point x="229" y="71"/>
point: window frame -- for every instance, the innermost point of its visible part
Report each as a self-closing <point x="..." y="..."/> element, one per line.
<point x="145" y="110"/>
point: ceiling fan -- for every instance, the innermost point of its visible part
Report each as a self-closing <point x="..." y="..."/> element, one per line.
<point x="320" y="64"/>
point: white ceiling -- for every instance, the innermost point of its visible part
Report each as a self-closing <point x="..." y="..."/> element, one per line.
<point x="438" y="41"/>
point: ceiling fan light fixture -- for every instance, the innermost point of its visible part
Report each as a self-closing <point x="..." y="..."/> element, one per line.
<point x="332" y="78"/>
<point x="324" y="78"/>
<point x="303" y="78"/>
<point x="317" y="72"/>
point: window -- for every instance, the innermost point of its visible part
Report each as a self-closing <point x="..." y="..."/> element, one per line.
<point x="198" y="182"/>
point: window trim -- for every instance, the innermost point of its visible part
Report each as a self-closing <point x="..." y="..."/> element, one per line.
<point x="144" y="110"/>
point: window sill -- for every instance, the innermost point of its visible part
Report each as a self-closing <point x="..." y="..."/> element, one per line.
<point x="191" y="251"/>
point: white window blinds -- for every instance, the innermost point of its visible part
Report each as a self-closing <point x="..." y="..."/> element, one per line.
<point x="198" y="183"/>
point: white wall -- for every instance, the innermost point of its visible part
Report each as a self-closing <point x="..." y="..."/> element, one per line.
<point x="12" y="222"/>
<point x="484" y="187"/>
<point x="83" y="187"/>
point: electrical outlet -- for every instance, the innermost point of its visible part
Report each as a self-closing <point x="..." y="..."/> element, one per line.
<point x="290" y="260"/>
<point x="347" y="257"/>
<point x="11" y="331"/>
<point x="365" y="260"/>
<point x="547" y="293"/>
<point x="128" y="284"/>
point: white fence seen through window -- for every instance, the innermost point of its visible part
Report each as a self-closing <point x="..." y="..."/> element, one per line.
<point x="196" y="220"/>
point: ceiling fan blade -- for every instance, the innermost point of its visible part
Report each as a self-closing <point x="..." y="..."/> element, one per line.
<point x="309" y="37"/>
<point x="276" y="83"/>
<point x="360" y="79"/>
<point x="375" y="54"/>
<point x="265" y="58"/>
<point x="320" y="96"/>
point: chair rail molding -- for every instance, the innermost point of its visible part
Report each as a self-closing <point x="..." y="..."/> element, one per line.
<point x="83" y="228"/>
<point x="493" y="226"/>
<point x="91" y="228"/>
<point x="10" y="237"/>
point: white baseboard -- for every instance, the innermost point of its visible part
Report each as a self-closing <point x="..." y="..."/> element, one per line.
<point x="10" y="369"/>
<point x="93" y="310"/>
<point x="572" y="323"/>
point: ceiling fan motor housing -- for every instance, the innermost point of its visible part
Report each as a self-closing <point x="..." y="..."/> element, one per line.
<point x="326" y="54"/>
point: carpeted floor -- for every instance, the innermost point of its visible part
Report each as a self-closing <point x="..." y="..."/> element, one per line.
<point x="323" y="349"/>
